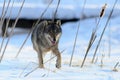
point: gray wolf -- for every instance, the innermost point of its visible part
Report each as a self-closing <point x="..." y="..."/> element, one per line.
<point x="45" y="37"/>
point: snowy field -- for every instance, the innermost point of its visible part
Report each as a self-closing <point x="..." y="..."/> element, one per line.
<point x="12" y="68"/>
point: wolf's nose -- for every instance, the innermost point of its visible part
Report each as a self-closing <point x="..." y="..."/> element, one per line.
<point x="54" y="39"/>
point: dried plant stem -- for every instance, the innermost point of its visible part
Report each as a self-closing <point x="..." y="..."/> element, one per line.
<point x="12" y="30"/>
<point x="109" y="47"/>
<point x="109" y="17"/>
<point x="76" y="35"/>
<point x="114" y="69"/>
<point x="31" y="71"/>
<point x="92" y="39"/>
<point x="1" y="19"/>
<point x="93" y="35"/>
<point x="96" y="59"/>
<point x="53" y="57"/>
<point x="3" y="11"/>
<point x="54" y="71"/>
<point x="55" y="14"/>
<point x="100" y="16"/>
<point x="23" y="43"/>
<point x="6" y="9"/>
<point x="7" y="23"/>
<point x="38" y="67"/>
<point x="103" y="55"/>
<point x="24" y="69"/>
<point x="74" y="46"/>
<point x="42" y="14"/>
<point x="34" y="25"/>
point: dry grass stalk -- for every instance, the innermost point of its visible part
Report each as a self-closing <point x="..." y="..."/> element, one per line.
<point x="109" y="17"/>
<point x="115" y="67"/>
<point x="53" y="57"/>
<point x="1" y="20"/>
<point x="103" y="55"/>
<point x="38" y="67"/>
<point x="31" y="71"/>
<point x="12" y="30"/>
<point x="54" y="71"/>
<point x="7" y="23"/>
<point x="55" y="14"/>
<point x="32" y="29"/>
<point x="93" y="36"/>
<point x="24" y="69"/>
<point x="4" y="14"/>
<point x="42" y="14"/>
<point x="109" y="43"/>
<point x="76" y="35"/>
<point x="23" y="44"/>
<point x="96" y="59"/>
<point x="3" y="11"/>
<point x="91" y="41"/>
<point x="74" y="47"/>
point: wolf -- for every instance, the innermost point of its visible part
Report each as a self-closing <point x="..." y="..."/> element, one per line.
<point x="45" y="37"/>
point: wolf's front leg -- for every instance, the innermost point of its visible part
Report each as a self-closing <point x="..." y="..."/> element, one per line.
<point x="58" y="61"/>
<point x="40" y="58"/>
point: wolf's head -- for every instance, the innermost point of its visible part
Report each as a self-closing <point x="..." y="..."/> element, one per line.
<point x="53" y="32"/>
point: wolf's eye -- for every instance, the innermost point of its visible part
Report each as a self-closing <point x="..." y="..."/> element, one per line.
<point x="55" y="31"/>
<point x="51" y="31"/>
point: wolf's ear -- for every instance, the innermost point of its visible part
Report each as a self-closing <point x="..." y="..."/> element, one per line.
<point x="45" y="23"/>
<point x="58" y="22"/>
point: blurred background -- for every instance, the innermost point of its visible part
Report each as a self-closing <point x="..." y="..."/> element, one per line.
<point x="73" y="14"/>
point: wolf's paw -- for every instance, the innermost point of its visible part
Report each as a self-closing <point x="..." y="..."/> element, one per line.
<point x="41" y="66"/>
<point x="58" y="66"/>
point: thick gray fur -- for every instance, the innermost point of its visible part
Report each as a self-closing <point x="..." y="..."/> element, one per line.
<point x="45" y="37"/>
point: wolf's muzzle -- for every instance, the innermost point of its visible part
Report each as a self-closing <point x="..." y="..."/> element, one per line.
<point x="53" y="41"/>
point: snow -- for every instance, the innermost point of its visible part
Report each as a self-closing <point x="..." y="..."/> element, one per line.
<point x="19" y="68"/>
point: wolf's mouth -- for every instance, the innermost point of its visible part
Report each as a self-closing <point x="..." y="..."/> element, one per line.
<point x="53" y="42"/>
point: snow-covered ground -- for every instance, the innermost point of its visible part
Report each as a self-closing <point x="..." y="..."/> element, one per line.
<point x="19" y="68"/>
